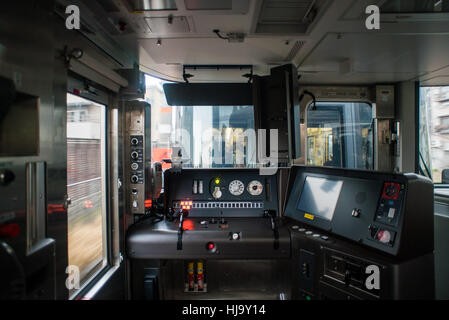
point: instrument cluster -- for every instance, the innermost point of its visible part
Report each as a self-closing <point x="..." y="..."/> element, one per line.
<point x="235" y="187"/>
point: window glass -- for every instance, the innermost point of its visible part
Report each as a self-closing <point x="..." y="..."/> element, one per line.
<point x="206" y="136"/>
<point x="86" y="186"/>
<point x="340" y="135"/>
<point x="415" y="6"/>
<point x="434" y="133"/>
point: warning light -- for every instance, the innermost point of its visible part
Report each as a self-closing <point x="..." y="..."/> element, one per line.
<point x="148" y="203"/>
<point x="188" y="225"/>
<point x="10" y="230"/>
<point x="186" y="205"/>
<point x="211" y="246"/>
<point x="217" y="180"/>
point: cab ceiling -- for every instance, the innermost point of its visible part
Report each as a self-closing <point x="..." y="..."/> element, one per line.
<point x="326" y="39"/>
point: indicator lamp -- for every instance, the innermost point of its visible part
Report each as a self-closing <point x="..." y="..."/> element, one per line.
<point x="186" y="205"/>
<point x="217" y="180"/>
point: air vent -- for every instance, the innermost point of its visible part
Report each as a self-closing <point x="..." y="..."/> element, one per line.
<point x="287" y="16"/>
<point x="208" y="4"/>
<point x="168" y="25"/>
<point x="295" y="49"/>
<point x="152" y="5"/>
<point x="293" y="11"/>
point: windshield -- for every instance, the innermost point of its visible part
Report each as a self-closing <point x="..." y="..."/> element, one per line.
<point x="201" y="136"/>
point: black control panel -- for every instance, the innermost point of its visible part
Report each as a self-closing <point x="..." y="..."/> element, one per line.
<point x="221" y="192"/>
<point x="392" y="213"/>
<point x="329" y="267"/>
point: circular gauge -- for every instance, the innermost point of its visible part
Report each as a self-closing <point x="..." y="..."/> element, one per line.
<point x="255" y="188"/>
<point x="236" y="188"/>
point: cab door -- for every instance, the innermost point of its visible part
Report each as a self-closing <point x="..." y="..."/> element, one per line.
<point x="94" y="265"/>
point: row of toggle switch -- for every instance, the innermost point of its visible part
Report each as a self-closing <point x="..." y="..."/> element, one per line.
<point x="224" y="205"/>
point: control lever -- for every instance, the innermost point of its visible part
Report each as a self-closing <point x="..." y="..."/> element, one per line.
<point x="182" y="214"/>
<point x="272" y="215"/>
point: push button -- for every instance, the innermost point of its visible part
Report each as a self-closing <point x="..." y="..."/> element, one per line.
<point x="391" y="213"/>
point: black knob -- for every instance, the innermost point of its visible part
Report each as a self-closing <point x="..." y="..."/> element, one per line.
<point x="134" y="141"/>
<point x="134" y="179"/>
<point x="134" y="154"/>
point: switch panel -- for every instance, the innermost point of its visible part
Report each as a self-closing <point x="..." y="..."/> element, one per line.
<point x="137" y="156"/>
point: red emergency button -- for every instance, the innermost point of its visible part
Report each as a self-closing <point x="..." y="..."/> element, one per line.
<point x="384" y="236"/>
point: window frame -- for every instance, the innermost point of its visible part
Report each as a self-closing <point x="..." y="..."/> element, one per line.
<point x="437" y="186"/>
<point x="97" y="275"/>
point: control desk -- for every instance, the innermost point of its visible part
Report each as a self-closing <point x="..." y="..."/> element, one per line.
<point x="343" y="234"/>
<point x="230" y="214"/>
<point x="360" y="235"/>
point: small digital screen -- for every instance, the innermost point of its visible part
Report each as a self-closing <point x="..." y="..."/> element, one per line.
<point x="319" y="197"/>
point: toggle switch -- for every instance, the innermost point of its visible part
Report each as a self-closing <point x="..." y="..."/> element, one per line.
<point x="135" y="204"/>
<point x="235" y="236"/>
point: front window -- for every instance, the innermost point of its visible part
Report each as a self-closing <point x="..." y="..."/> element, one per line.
<point x="204" y="136"/>
<point x="434" y="133"/>
<point x="340" y="134"/>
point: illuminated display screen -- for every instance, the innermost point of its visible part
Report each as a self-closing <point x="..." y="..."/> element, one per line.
<point x="319" y="197"/>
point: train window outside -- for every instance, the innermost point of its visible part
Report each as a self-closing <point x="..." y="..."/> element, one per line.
<point x="434" y="133"/>
<point x="340" y="134"/>
<point x="415" y="6"/>
<point x="208" y="136"/>
<point x="86" y="186"/>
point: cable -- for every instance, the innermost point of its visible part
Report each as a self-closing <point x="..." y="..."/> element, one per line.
<point x="217" y="32"/>
<point x="310" y="94"/>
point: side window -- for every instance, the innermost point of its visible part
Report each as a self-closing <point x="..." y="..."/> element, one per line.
<point x="434" y="133"/>
<point x="86" y="186"/>
<point x="340" y="134"/>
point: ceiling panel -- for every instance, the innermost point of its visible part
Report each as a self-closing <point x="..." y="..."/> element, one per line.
<point x="378" y="56"/>
<point x="217" y="51"/>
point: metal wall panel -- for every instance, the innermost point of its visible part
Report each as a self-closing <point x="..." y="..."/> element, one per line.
<point x="27" y="56"/>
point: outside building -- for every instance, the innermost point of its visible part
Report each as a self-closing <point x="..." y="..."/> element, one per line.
<point x="434" y="142"/>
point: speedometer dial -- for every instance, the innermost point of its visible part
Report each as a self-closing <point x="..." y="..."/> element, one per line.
<point x="255" y="188"/>
<point x="236" y="188"/>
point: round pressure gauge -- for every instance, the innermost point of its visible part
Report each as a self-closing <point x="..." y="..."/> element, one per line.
<point x="255" y="188"/>
<point x="236" y="188"/>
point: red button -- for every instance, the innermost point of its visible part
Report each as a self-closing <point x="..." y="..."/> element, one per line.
<point x="211" y="246"/>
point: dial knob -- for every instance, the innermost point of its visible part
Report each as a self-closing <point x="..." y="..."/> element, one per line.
<point x="134" y="141"/>
<point x="134" y="179"/>
<point x="134" y="154"/>
<point x="217" y="193"/>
